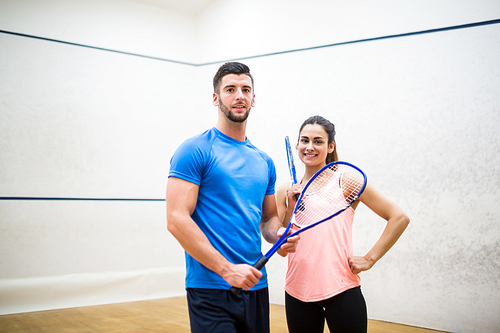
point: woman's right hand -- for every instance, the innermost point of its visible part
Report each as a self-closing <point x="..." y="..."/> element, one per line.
<point x="292" y="195"/>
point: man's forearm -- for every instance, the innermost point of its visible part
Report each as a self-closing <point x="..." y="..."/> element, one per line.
<point x="270" y="229"/>
<point x="194" y="242"/>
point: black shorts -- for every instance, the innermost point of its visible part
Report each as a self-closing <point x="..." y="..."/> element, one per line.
<point x="345" y="312"/>
<point x="214" y="311"/>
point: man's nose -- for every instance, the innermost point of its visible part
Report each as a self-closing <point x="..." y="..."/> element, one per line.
<point x="239" y="94"/>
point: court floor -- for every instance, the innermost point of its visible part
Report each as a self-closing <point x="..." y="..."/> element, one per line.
<point x="159" y="315"/>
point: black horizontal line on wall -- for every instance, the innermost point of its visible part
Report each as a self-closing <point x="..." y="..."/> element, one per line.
<point x="462" y="26"/>
<point x="95" y="47"/>
<point x="75" y="199"/>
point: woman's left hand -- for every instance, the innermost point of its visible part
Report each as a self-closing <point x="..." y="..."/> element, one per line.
<point x="359" y="264"/>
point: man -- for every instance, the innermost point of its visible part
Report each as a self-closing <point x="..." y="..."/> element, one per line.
<point x="220" y="198"/>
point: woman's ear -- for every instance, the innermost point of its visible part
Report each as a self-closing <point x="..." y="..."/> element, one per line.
<point x="331" y="147"/>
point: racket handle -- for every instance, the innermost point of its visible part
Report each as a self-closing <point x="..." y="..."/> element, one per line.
<point x="235" y="291"/>
<point x="259" y="264"/>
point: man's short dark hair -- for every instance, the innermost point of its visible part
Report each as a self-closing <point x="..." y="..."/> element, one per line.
<point x="230" y="68"/>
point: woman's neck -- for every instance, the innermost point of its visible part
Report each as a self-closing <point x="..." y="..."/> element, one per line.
<point x="310" y="171"/>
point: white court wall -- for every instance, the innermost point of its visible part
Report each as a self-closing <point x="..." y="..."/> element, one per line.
<point x="119" y="25"/>
<point x="233" y="29"/>
<point x="81" y="122"/>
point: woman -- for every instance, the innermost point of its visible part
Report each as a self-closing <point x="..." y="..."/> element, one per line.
<point x="322" y="280"/>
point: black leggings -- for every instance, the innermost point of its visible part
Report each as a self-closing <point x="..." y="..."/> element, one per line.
<point x="345" y="312"/>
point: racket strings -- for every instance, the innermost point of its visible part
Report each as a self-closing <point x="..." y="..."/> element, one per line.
<point x="331" y="191"/>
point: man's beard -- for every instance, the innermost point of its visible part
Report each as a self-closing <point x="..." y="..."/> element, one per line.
<point x="231" y="116"/>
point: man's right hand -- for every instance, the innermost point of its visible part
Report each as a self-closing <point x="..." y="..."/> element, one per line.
<point x="242" y="276"/>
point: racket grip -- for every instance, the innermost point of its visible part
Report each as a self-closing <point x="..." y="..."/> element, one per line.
<point x="259" y="264"/>
<point x="235" y="291"/>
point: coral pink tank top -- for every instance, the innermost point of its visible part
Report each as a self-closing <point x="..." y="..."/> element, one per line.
<point x="319" y="269"/>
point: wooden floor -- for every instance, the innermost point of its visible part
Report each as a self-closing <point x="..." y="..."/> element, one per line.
<point x="161" y="315"/>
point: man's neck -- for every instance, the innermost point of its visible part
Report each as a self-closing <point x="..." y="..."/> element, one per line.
<point x="233" y="130"/>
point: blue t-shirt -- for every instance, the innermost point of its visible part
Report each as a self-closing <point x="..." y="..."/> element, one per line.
<point x="233" y="178"/>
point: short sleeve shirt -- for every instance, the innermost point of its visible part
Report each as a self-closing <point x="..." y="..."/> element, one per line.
<point x="233" y="178"/>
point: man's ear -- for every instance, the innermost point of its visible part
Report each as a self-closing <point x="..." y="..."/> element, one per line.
<point x="215" y="99"/>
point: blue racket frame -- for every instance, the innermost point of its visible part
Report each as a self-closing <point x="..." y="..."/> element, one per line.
<point x="284" y="238"/>
<point x="265" y="258"/>
<point x="291" y="164"/>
